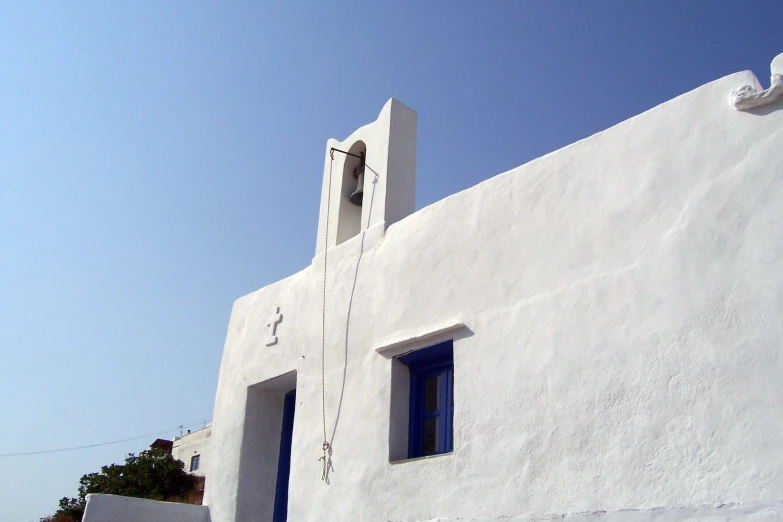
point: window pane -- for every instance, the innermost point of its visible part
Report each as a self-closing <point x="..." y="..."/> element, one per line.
<point x="429" y="443"/>
<point x="431" y="393"/>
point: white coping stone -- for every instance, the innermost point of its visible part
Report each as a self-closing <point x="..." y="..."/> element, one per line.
<point x="751" y="96"/>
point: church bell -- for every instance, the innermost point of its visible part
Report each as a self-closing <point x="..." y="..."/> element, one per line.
<point x="358" y="194"/>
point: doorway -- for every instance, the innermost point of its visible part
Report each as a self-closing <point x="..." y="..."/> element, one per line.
<point x="284" y="460"/>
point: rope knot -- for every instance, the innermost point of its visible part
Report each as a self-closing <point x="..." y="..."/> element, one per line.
<point x="325" y="473"/>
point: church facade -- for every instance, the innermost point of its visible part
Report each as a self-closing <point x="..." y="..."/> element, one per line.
<point x="609" y="317"/>
<point x="598" y="332"/>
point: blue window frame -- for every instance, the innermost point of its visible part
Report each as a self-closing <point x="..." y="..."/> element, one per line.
<point x="430" y="427"/>
<point x="194" y="461"/>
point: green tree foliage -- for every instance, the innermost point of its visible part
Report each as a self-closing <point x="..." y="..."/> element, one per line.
<point x="153" y="474"/>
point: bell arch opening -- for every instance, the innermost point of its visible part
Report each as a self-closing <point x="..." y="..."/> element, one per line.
<point x="352" y="187"/>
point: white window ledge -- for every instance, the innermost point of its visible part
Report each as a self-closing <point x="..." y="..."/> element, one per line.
<point x="426" y="457"/>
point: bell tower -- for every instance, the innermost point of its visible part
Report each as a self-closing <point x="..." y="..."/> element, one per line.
<point x="372" y="175"/>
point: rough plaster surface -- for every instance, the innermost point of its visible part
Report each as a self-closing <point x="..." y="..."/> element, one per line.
<point x="757" y="512"/>
<point x="112" y="508"/>
<point x="195" y="443"/>
<point x="623" y="309"/>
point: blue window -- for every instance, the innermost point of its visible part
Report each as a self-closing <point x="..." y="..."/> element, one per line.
<point x="194" y="462"/>
<point x="431" y="406"/>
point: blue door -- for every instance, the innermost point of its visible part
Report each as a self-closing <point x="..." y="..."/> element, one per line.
<point x="284" y="462"/>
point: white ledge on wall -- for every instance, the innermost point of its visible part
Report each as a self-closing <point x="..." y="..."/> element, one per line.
<point x="392" y="347"/>
<point x="749" y="97"/>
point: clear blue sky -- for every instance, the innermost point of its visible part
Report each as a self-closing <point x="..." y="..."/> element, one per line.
<point x="160" y="159"/>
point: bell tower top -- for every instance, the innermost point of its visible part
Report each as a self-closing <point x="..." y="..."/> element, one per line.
<point x="373" y="177"/>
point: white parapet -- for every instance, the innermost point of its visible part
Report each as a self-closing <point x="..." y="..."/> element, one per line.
<point x="113" y="508"/>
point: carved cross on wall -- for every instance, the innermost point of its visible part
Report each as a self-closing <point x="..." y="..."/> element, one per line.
<point x="271" y="323"/>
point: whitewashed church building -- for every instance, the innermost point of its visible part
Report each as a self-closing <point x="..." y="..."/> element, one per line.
<point x="595" y="335"/>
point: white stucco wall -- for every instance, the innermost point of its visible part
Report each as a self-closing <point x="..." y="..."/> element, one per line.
<point x="752" y="512"/>
<point x="113" y="508"/>
<point x="194" y="443"/>
<point x="623" y="309"/>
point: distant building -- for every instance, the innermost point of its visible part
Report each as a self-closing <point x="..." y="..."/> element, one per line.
<point x="163" y="444"/>
<point x="193" y="450"/>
